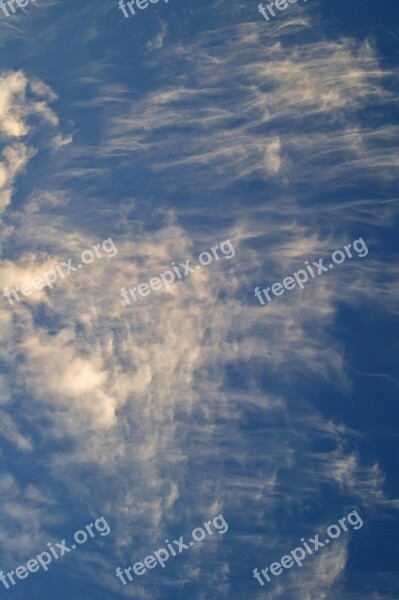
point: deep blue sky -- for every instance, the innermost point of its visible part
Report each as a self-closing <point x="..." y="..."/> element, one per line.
<point x="171" y="131"/>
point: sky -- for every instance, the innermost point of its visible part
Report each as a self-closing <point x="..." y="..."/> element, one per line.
<point x="155" y="138"/>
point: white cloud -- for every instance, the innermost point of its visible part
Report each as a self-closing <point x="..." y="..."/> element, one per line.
<point x="272" y="157"/>
<point x="159" y="39"/>
<point x="18" y="104"/>
<point x="138" y="398"/>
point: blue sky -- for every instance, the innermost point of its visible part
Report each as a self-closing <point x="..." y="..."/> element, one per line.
<point x="169" y="132"/>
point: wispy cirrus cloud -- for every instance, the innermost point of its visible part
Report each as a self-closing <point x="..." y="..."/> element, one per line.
<point x="191" y="403"/>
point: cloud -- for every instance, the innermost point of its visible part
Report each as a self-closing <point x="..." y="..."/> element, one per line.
<point x="9" y="430"/>
<point x="272" y="157"/>
<point x="248" y="98"/>
<point x="190" y="402"/>
<point x="18" y="104"/>
<point x="159" y="39"/>
<point x="16" y="107"/>
<point x="25" y="515"/>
